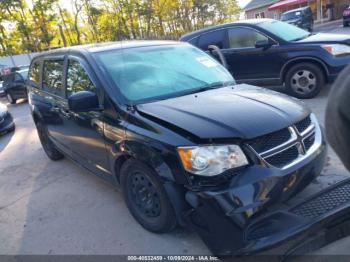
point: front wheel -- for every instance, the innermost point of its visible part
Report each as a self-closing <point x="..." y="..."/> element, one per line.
<point x="10" y="98"/>
<point x="345" y="24"/>
<point x="146" y="197"/>
<point x="304" y="80"/>
<point x="49" y="148"/>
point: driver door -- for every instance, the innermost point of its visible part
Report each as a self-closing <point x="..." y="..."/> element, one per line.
<point x="250" y="64"/>
<point x="84" y="131"/>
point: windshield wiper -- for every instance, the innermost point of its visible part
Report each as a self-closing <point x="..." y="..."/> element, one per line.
<point x="303" y="37"/>
<point x="210" y="86"/>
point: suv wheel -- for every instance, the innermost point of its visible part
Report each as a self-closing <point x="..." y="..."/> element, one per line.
<point x="146" y="198"/>
<point x="304" y="80"/>
<point x="345" y="24"/>
<point x="49" y="148"/>
<point x="10" y="98"/>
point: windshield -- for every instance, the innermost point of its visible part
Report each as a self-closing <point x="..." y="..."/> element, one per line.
<point x="156" y="72"/>
<point x="283" y="30"/>
<point x="24" y="73"/>
<point x="291" y="15"/>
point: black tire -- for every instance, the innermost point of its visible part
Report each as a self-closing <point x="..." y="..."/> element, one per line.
<point x="304" y="80"/>
<point x="345" y="24"/>
<point x="146" y="197"/>
<point x="49" y="148"/>
<point x="10" y="98"/>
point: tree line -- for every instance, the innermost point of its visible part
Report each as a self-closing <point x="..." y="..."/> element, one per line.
<point x="37" y="25"/>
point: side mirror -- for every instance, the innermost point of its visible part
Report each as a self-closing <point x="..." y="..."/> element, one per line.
<point x="83" y="101"/>
<point x="265" y="44"/>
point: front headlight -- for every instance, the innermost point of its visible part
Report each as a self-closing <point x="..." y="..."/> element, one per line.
<point x="337" y="49"/>
<point x="211" y="160"/>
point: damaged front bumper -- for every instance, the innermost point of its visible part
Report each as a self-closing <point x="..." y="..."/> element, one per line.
<point x="246" y="216"/>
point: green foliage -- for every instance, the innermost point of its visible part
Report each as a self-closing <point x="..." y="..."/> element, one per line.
<point x="36" y="25"/>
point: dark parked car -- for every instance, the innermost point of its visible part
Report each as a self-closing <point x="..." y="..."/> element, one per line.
<point x="186" y="144"/>
<point x="6" y="120"/>
<point x="301" y="17"/>
<point x="270" y="52"/>
<point x="346" y="16"/>
<point x="14" y="85"/>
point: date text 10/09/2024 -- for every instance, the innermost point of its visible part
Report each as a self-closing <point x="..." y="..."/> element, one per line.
<point x="172" y="258"/>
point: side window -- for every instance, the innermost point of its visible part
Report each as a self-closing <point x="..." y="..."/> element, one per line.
<point x="244" y="37"/>
<point x="34" y="74"/>
<point x="53" y="77"/>
<point x="78" y="79"/>
<point x="213" y="38"/>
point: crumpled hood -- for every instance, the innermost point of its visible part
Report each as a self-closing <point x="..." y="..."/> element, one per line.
<point x="243" y="111"/>
<point x="326" y="38"/>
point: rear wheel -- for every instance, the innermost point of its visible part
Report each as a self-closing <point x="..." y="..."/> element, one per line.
<point x="345" y="24"/>
<point x="304" y="80"/>
<point x="10" y="98"/>
<point x="49" y="148"/>
<point x="146" y="198"/>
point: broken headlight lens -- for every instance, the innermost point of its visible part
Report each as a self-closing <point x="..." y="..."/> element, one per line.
<point x="211" y="160"/>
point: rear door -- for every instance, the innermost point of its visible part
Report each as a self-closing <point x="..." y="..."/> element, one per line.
<point x="52" y="96"/>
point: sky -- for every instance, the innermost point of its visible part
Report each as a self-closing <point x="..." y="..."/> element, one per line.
<point x="242" y="3"/>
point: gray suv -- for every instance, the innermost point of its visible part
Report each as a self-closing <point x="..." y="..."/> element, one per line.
<point x="301" y="17"/>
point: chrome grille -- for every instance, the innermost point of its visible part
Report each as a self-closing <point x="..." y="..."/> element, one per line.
<point x="283" y="158"/>
<point x="309" y="141"/>
<point x="271" y="140"/>
<point x="282" y="148"/>
<point x="303" y="124"/>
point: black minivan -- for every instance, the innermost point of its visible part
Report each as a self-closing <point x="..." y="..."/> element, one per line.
<point x="187" y="145"/>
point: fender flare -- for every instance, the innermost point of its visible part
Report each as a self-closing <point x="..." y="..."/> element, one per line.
<point x="152" y="157"/>
<point x="304" y="59"/>
<point x="146" y="153"/>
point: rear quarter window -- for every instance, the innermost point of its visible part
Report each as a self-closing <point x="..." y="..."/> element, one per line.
<point x="53" y="77"/>
<point x="34" y="74"/>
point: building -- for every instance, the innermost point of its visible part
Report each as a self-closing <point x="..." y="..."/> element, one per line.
<point x="323" y="10"/>
<point x="259" y="9"/>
